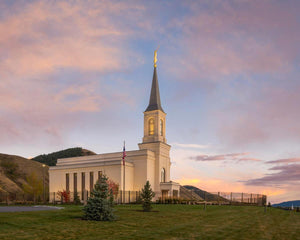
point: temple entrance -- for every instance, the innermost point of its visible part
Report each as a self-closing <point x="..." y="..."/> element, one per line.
<point x="164" y="194"/>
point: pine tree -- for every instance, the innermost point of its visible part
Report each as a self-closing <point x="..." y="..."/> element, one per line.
<point x="99" y="205"/>
<point x="146" y="197"/>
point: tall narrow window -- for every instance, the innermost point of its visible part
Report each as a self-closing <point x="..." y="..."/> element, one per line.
<point x="91" y="181"/>
<point x="67" y="182"/>
<point x="151" y="126"/>
<point x="99" y="174"/>
<point x="75" y="183"/>
<point x="161" y="127"/>
<point x="163" y="175"/>
<point x="82" y="185"/>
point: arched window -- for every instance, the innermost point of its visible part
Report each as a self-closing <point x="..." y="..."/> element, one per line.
<point x="151" y="126"/>
<point x="161" y="127"/>
<point x="163" y="175"/>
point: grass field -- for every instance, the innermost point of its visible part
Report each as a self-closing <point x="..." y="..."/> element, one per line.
<point x="167" y="222"/>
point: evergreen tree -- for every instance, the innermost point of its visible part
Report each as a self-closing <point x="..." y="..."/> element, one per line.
<point x="76" y="199"/>
<point x="99" y="205"/>
<point x="146" y="197"/>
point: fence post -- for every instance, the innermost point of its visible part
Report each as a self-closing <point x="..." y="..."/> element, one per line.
<point x="129" y="196"/>
<point x="265" y="208"/>
<point x="231" y="198"/>
<point x="242" y="197"/>
<point x="251" y="198"/>
<point x="219" y="198"/>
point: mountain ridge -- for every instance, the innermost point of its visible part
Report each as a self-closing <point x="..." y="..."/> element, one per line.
<point x="295" y="203"/>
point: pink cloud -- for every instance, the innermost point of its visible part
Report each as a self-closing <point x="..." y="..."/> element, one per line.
<point x="285" y="176"/>
<point x="40" y="41"/>
<point x="286" y="161"/>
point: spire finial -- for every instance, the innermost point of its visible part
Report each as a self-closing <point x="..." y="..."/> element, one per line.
<point x="155" y="57"/>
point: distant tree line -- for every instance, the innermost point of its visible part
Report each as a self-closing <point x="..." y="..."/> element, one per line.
<point x="51" y="158"/>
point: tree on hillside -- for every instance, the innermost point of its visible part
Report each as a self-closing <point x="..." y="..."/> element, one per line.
<point x="146" y="197"/>
<point x="33" y="186"/>
<point x="51" y="158"/>
<point x="11" y="169"/>
<point x="100" y="205"/>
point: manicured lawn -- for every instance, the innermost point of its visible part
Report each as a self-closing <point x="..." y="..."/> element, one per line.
<point x="169" y="222"/>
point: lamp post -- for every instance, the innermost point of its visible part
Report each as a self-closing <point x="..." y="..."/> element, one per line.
<point x="44" y="192"/>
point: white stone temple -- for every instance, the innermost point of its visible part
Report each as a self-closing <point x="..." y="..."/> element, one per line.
<point x="151" y="162"/>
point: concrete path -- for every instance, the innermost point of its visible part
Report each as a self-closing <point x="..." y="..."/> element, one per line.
<point x="28" y="208"/>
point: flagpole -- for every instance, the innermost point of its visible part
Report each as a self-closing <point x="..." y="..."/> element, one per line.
<point x="124" y="172"/>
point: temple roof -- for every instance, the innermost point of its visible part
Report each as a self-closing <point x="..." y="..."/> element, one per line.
<point x="154" y="102"/>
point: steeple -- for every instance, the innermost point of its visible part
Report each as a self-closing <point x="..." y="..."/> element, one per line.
<point x="154" y="102"/>
<point x="154" y="116"/>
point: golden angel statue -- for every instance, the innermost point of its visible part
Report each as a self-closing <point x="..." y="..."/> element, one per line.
<point x="155" y="57"/>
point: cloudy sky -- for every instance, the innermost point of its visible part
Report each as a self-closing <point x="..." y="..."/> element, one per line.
<point x="78" y="73"/>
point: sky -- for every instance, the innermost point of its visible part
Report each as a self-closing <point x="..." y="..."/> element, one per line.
<point x="78" y="74"/>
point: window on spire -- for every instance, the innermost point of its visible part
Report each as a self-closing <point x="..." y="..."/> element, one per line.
<point x="161" y="127"/>
<point x="151" y="126"/>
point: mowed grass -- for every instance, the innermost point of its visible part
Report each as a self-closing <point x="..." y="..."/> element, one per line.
<point x="167" y="222"/>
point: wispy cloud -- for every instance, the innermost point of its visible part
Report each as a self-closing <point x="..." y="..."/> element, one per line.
<point x="286" y="175"/>
<point x="238" y="157"/>
<point x="286" y="161"/>
<point x="190" y="145"/>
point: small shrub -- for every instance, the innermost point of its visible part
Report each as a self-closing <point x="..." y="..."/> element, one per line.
<point x="65" y="195"/>
<point x="112" y="186"/>
<point x="146" y="196"/>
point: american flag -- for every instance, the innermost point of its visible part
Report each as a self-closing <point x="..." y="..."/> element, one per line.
<point x="124" y="154"/>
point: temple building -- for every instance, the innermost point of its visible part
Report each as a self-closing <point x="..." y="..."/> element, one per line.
<point x="151" y="162"/>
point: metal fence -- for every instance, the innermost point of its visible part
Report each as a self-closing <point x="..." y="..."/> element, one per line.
<point x="225" y="198"/>
<point x="185" y="197"/>
<point x="22" y="198"/>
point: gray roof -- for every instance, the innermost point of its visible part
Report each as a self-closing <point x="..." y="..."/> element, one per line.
<point x="154" y="103"/>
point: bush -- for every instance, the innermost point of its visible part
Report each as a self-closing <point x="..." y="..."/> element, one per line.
<point x="146" y="197"/>
<point x="65" y="195"/>
<point x="99" y="205"/>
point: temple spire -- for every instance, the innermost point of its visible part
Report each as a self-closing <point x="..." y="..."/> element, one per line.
<point x="154" y="102"/>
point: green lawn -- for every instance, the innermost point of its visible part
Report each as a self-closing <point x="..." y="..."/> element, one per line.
<point x="168" y="222"/>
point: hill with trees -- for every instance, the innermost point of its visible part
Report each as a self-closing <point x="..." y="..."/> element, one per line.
<point x="21" y="175"/>
<point x="51" y="158"/>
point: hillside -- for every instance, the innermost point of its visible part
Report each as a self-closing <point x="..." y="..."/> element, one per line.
<point x="205" y="195"/>
<point x="189" y="195"/>
<point x="295" y="203"/>
<point x="51" y="158"/>
<point x="15" y="170"/>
